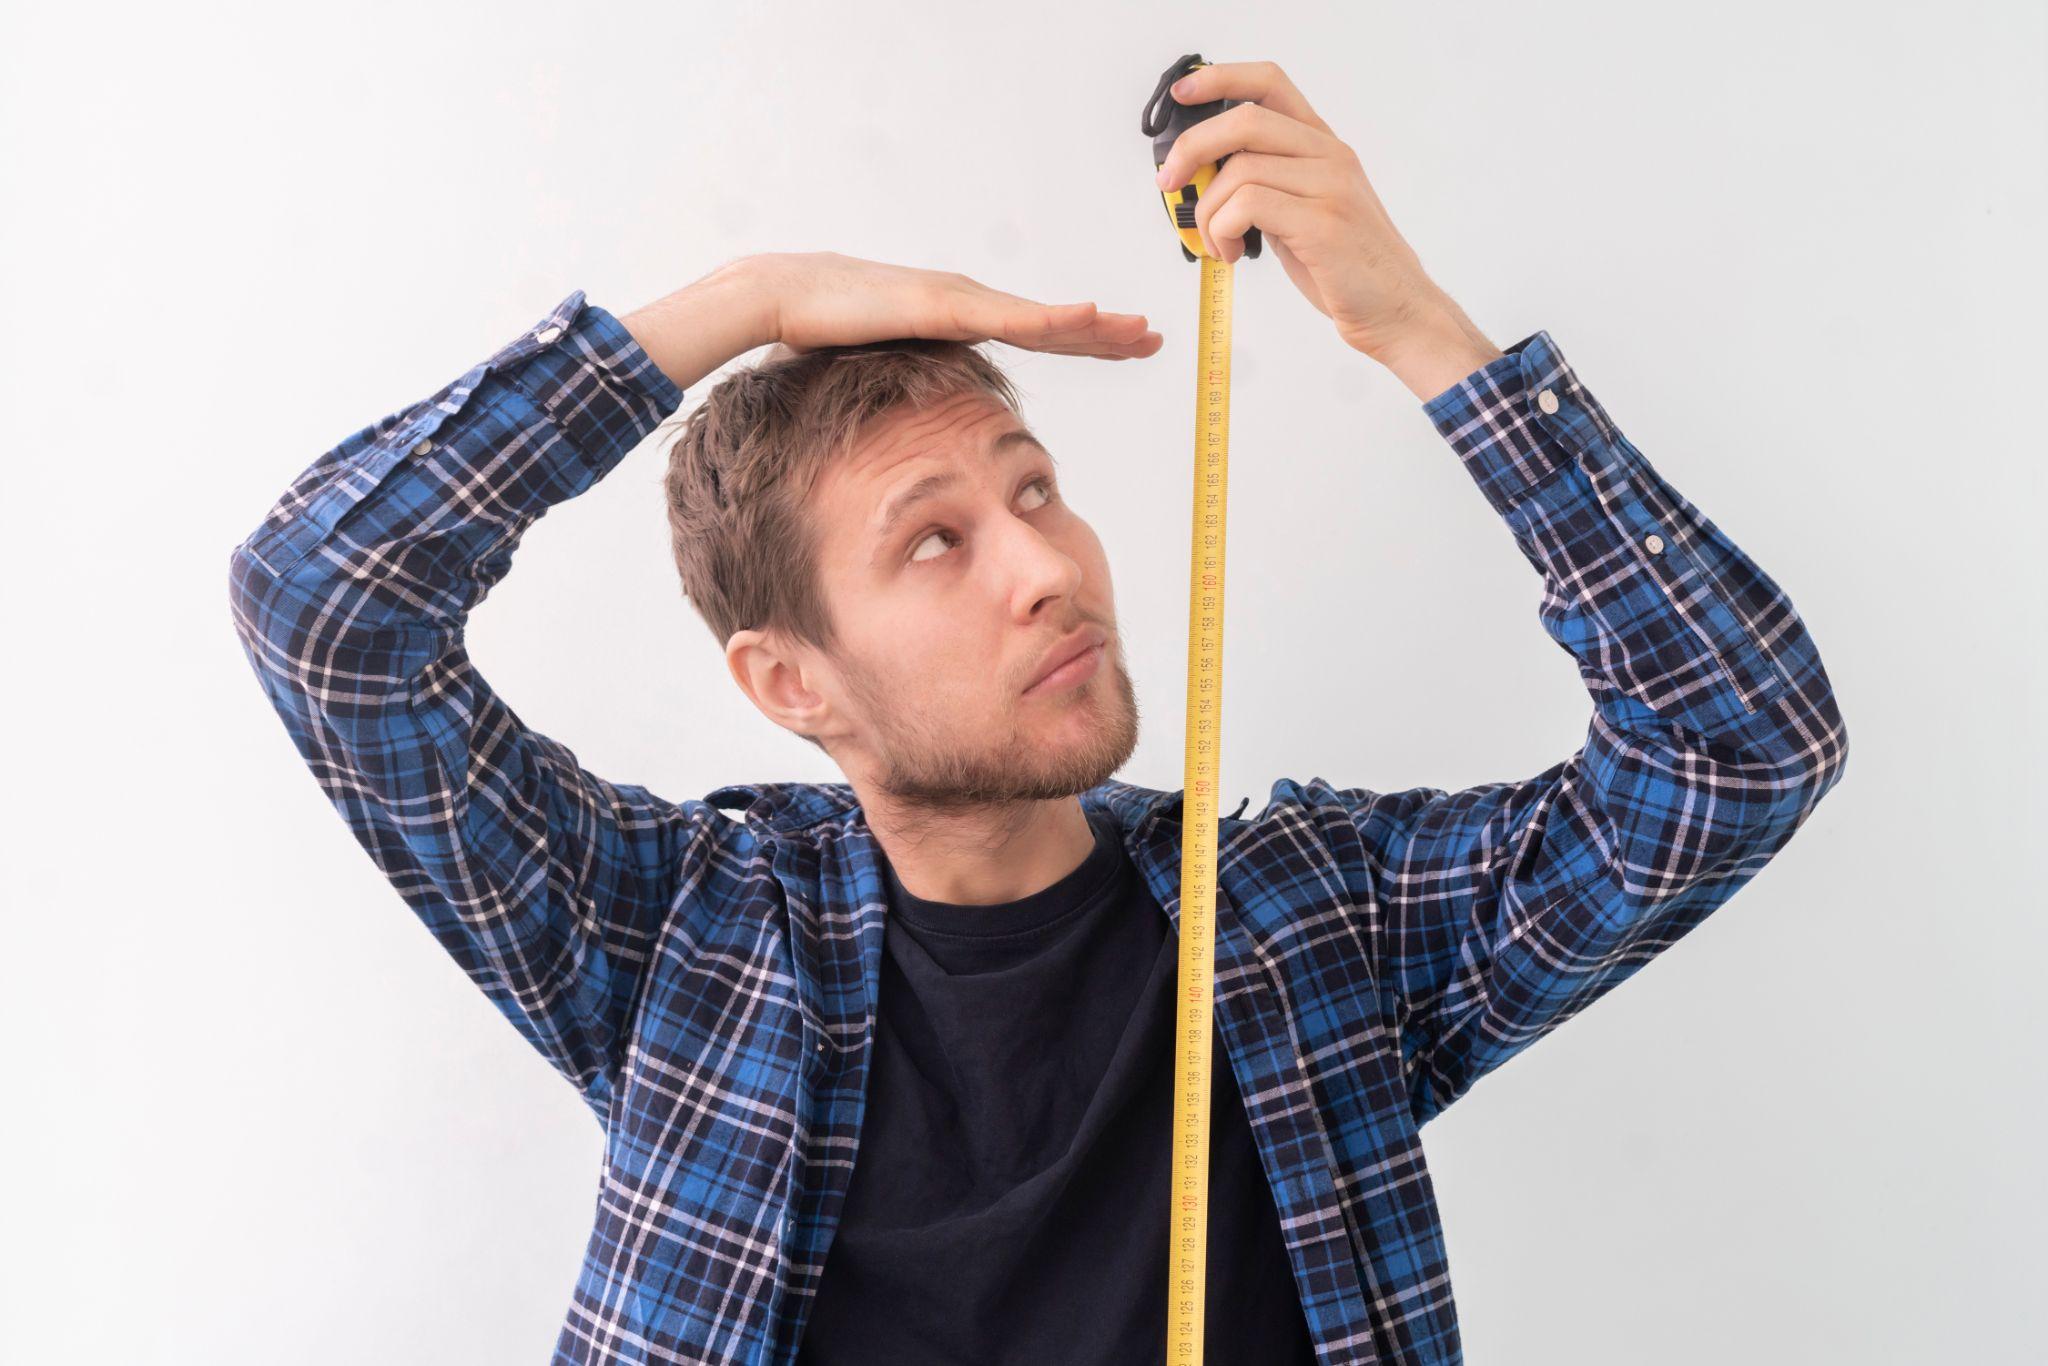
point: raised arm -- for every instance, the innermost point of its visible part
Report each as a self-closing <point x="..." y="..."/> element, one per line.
<point x="549" y="885"/>
<point x="1496" y="913"/>
<point x="546" y="883"/>
<point x="1492" y="915"/>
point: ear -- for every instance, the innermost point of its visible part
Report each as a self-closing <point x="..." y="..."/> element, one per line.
<point x="772" y="676"/>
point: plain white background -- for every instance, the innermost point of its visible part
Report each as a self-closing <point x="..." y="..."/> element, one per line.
<point x="255" y="1116"/>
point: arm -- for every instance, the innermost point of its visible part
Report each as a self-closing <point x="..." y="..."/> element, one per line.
<point x="546" y="883"/>
<point x="1491" y="916"/>
<point x="1496" y="913"/>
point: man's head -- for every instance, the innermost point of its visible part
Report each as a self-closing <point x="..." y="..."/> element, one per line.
<point x="881" y="547"/>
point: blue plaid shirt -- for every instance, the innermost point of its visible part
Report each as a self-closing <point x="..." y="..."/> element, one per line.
<point x="708" y="981"/>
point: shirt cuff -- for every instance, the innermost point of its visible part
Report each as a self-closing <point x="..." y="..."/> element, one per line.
<point x="1517" y="419"/>
<point x="576" y="369"/>
<point x="1658" y="580"/>
<point x="596" y="384"/>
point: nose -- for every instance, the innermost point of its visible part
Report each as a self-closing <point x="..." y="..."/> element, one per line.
<point x="1040" y="572"/>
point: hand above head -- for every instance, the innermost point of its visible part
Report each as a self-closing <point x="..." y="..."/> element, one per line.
<point x="824" y="298"/>
<point x="1306" y="192"/>
<point x="806" y="300"/>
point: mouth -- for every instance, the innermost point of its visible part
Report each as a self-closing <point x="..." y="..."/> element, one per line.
<point x="1074" y="666"/>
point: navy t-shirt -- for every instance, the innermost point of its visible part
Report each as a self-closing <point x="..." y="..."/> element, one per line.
<point x="1009" y="1197"/>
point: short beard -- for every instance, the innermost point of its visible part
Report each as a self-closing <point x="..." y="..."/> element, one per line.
<point x="921" y="770"/>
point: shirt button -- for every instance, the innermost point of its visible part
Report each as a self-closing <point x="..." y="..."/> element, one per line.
<point x="1653" y="543"/>
<point x="821" y="1045"/>
<point x="424" y="445"/>
<point x="1547" y="401"/>
<point x="547" y="334"/>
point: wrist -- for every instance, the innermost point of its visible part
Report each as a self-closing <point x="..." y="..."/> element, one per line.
<point x="691" y="331"/>
<point x="1440" y="348"/>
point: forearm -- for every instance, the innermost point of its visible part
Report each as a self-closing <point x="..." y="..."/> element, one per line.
<point x="1509" y="907"/>
<point x="1438" y="349"/>
<point x="412" y="518"/>
<point x="692" y="331"/>
<point x="1670" y="620"/>
<point x="549" y="885"/>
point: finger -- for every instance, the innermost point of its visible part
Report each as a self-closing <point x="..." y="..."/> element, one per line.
<point x="1028" y="315"/>
<point x="1090" y="325"/>
<point x="1272" y="211"/>
<point x="1247" y="128"/>
<point x="1140" y="340"/>
<point x="1107" y="323"/>
<point x="1146" y="345"/>
<point x="1261" y="82"/>
<point x="1082" y="314"/>
<point x="1014" y="310"/>
<point x="1026" y="322"/>
<point x="985" y="313"/>
<point x="1303" y="176"/>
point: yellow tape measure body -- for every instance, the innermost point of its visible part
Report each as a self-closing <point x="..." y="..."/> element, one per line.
<point x="1195" y="997"/>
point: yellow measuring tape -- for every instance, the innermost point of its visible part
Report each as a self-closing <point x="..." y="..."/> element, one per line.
<point x="1187" y="1252"/>
<point x="1187" y="1256"/>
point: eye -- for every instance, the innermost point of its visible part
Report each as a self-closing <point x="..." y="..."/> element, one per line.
<point x="936" y="535"/>
<point x="1042" y="481"/>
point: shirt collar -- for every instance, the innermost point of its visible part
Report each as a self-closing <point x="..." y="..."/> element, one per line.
<point x="785" y="808"/>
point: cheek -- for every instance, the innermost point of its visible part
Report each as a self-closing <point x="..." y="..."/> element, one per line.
<point x="926" y="651"/>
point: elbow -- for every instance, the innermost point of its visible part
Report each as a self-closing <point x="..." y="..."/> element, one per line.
<point x="249" y="585"/>
<point x="1814" y="759"/>
<point x="1802" y="732"/>
<point x="1823" y="748"/>
<point x="1830" y="770"/>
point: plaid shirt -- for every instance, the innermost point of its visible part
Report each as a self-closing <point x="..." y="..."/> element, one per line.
<point x="708" y="982"/>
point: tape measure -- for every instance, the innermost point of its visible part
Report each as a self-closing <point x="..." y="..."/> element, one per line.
<point x="1195" y="994"/>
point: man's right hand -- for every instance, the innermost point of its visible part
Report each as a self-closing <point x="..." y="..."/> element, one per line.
<point x="826" y="299"/>
<point x="806" y="300"/>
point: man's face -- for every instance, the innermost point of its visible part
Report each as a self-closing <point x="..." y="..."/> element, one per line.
<point x="949" y="607"/>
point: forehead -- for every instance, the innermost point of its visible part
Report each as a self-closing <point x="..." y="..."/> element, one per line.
<point x="952" y="427"/>
<point x="914" y="450"/>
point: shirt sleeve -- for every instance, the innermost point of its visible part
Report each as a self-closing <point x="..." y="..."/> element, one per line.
<point x="546" y="883"/>
<point x="1498" y="912"/>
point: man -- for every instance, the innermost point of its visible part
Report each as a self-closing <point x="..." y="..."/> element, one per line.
<point x="883" y="1066"/>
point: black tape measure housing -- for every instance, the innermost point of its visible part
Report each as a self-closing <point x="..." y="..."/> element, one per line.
<point x="1164" y="120"/>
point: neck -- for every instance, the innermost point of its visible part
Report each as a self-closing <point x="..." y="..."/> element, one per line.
<point x="981" y="856"/>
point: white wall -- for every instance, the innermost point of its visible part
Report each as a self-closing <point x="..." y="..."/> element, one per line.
<point x="254" y="1116"/>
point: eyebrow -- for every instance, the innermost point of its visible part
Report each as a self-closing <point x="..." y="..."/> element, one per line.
<point x="934" y="484"/>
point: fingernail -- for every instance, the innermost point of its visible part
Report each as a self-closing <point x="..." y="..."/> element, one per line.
<point x="1161" y="179"/>
<point x="1183" y="85"/>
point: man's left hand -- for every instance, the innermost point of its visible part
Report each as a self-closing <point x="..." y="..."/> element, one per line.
<point x="1306" y="191"/>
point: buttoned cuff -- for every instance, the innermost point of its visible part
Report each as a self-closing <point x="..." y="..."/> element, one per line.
<point x="577" y="368"/>
<point x="1519" y="418"/>
<point x="596" y="384"/>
